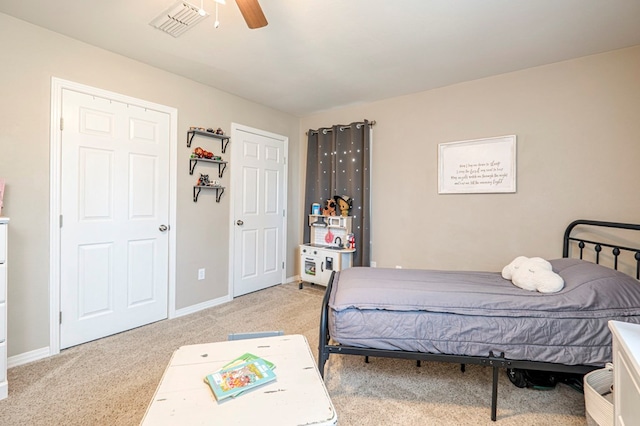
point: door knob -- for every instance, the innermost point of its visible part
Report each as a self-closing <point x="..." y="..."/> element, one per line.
<point x="239" y="222"/>
<point x="163" y="228"/>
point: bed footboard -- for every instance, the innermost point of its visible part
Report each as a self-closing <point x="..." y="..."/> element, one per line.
<point x="323" y="351"/>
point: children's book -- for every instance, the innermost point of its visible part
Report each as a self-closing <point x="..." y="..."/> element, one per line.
<point x="232" y="381"/>
<point x="246" y="358"/>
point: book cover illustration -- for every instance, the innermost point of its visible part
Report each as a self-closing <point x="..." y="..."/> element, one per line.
<point x="231" y="381"/>
<point x="246" y="357"/>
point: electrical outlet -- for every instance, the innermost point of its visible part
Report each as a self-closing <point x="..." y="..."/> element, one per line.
<point x="201" y="274"/>
<point x="374" y="264"/>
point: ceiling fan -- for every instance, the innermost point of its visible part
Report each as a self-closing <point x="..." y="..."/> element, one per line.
<point x="182" y="15"/>
<point x="252" y="13"/>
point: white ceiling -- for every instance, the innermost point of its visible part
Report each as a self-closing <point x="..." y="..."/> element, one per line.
<point x="320" y="54"/>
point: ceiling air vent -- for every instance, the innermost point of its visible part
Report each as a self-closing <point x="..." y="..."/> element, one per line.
<point x="178" y="18"/>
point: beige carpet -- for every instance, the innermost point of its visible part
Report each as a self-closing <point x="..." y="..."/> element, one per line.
<point x="111" y="381"/>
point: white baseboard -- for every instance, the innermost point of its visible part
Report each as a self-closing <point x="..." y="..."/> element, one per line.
<point x="27" y="357"/>
<point x="200" y="306"/>
<point x="42" y="353"/>
<point x="219" y="301"/>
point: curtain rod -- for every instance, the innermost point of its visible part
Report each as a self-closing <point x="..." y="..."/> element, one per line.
<point x="342" y="128"/>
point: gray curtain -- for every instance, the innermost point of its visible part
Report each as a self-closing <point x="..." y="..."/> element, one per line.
<point x="338" y="163"/>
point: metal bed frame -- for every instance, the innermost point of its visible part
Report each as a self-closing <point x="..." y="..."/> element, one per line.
<point x="496" y="361"/>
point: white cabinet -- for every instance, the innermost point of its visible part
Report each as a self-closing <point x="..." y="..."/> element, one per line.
<point x="4" y="386"/>
<point x="330" y="249"/>
<point x="317" y="263"/>
<point x="626" y="372"/>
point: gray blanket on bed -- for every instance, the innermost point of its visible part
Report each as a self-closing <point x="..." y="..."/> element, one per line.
<point x="590" y="291"/>
<point x="472" y="313"/>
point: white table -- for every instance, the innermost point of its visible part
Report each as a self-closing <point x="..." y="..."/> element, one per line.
<point x="297" y="397"/>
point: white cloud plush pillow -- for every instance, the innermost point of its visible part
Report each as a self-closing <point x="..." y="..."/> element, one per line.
<point x="533" y="274"/>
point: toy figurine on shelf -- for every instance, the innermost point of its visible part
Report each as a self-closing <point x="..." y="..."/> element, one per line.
<point x="219" y="131"/>
<point x="203" y="180"/>
<point x="351" y="241"/>
<point x="344" y="204"/>
<point x="329" y="208"/>
<point x="203" y="153"/>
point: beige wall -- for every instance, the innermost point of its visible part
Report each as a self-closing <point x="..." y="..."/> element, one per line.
<point x="30" y="57"/>
<point x="578" y="152"/>
<point x="578" y="136"/>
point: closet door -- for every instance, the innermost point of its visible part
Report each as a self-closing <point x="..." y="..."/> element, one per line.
<point x="115" y="199"/>
<point x="259" y="228"/>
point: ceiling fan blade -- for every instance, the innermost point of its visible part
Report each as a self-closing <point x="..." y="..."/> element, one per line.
<point x="252" y="13"/>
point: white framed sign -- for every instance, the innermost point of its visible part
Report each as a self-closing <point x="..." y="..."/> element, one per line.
<point x="477" y="166"/>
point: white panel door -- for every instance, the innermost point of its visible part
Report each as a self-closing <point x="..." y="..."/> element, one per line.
<point x="115" y="205"/>
<point x="259" y="211"/>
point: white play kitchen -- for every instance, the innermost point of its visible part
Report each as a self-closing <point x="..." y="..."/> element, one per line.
<point x="331" y="248"/>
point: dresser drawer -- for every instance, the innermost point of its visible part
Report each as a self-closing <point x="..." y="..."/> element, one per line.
<point x="3" y="284"/>
<point x="3" y="362"/>
<point x="3" y="242"/>
<point x="3" y="319"/>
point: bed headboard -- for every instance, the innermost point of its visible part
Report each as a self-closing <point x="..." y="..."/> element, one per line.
<point x="597" y="247"/>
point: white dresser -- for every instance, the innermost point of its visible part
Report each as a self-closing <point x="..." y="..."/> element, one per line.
<point x="4" y="386"/>
<point x="626" y="372"/>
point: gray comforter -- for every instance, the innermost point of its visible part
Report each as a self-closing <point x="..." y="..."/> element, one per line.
<point x="472" y="313"/>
